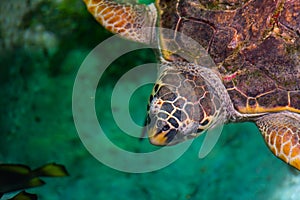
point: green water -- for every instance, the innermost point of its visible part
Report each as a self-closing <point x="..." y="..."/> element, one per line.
<point x="36" y="120"/>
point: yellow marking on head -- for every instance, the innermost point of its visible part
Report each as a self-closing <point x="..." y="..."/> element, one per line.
<point x="157" y="139"/>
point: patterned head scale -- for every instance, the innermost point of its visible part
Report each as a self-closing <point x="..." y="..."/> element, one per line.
<point x="182" y="105"/>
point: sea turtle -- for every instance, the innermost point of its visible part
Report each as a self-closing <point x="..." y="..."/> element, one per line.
<point x="255" y="45"/>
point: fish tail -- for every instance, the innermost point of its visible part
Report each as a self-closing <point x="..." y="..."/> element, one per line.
<point x="24" y="196"/>
<point x="34" y="182"/>
<point x="51" y="170"/>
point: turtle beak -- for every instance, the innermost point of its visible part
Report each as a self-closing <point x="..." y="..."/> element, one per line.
<point x="157" y="138"/>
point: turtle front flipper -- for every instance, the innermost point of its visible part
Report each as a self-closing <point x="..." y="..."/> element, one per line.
<point x="282" y="134"/>
<point x="130" y="21"/>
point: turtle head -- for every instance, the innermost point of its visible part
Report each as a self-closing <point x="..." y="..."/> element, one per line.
<point x="182" y="105"/>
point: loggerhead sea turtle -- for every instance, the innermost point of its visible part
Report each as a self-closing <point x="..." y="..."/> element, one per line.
<point x="255" y="45"/>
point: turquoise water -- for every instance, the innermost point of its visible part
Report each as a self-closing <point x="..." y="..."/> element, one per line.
<point x="37" y="75"/>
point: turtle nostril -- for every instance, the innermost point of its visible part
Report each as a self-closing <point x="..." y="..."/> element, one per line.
<point x="158" y="139"/>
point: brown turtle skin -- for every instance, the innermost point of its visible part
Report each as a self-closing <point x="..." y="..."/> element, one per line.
<point x="255" y="45"/>
<point x="248" y="68"/>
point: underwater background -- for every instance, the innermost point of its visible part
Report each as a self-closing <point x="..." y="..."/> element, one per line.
<point x="42" y="46"/>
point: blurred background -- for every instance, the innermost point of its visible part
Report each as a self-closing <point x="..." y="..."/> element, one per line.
<point x="42" y="45"/>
